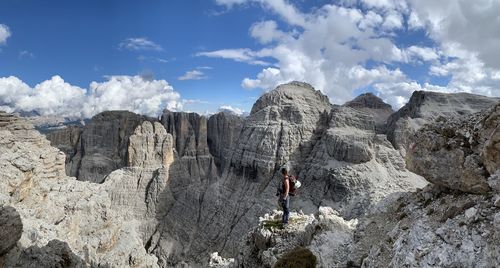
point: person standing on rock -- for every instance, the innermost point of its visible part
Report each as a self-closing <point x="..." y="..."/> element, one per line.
<point x="284" y="196"/>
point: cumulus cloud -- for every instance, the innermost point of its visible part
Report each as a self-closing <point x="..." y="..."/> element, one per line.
<point x="4" y="34"/>
<point x="232" y="110"/>
<point x="350" y="45"/>
<point x="57" y="97"/>
<point x="139" y="44"/>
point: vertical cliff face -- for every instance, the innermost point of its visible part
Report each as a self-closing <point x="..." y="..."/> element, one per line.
<point x="98" y="148"/>
<point x="223" y="133"/>
<point x="189" y="131"/>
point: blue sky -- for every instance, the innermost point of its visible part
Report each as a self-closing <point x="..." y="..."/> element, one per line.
<point x="228" y="52"/>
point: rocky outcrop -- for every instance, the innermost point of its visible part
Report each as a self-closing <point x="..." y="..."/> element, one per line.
<point x="11" y="228"/>
<point x="459" y="153"/>
<point x="374" y="106"/>
<point x="55" y="254"/>
<point x="433" y="227"/>
<point x="68" y="141"/>
<point x="425" y="106"/>
<point x="352" y="168"/>
<point x="326" y="235"/>
<point x="54" y="206"/>
<point x="444" y="224"/>
<point x="100" y="147"/>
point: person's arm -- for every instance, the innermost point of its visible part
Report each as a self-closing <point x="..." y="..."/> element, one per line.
<point x="287" y="188"/>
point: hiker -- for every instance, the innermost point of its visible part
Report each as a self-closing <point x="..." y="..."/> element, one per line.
<point x="284" y="196"/>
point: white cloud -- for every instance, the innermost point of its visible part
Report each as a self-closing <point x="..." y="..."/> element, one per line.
<point x="138" y="44"/>
<point x="473" y="25"/>
<point x="232" y="110"/>
<point x="424" y="53"/>
<point x="57" y="97"/>
<point x="193" y="75"/>
<point x="240" y="54"/>
<point x="266" y="31"/>
<point x="340" y="48"/>
<point x="4" y="34"/>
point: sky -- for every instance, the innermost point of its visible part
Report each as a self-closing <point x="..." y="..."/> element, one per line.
<point x="78" y="58"/>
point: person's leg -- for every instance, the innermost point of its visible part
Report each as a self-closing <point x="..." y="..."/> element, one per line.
<point x="286" y="209"/>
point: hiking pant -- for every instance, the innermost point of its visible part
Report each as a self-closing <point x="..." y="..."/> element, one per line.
<point x="285" y="204"/>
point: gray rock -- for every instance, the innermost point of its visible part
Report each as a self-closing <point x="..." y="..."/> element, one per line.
<point x="54" y="206"/>
<point x="100" y="147"/>
<point x="425" y="106"/>
<point x="56" y="254"/>
<point x="11" y="228"/>
<point x="458" y="153"/>
<point x="223" y="133"/>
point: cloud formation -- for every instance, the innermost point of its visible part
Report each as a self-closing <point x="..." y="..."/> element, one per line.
<point x="351" y="45"/>
<point x="193" y="75"/>
<point x="4" y="34"/>
<point x="241" y="54"/>
<point x="139" y="44"/>
<point x="231" y="110"/>
<point x="57" y="97"/>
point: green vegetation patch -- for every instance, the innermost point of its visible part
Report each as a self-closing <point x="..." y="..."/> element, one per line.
<point x="271" y="224"/>
<point x="297" y="258"/>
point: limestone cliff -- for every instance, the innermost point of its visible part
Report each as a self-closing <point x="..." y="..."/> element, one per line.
<point x="54" y="206"/>
<point x="444" y="224"/>
<point x="425" y="106"/>
<point x="98" y="148"/>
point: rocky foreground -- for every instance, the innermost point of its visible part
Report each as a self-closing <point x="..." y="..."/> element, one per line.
<point x="171" y="191"/>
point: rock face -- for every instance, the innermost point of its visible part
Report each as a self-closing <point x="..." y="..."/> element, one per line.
<point x="11" y="228"/>
<point x="433" y="227"/>
<point x="375" y="106"/>
<point x="54" y="206"/>
<point x="325" y="234"/>
<point x="459" y="153"/>
<point x="223" y="132"/>
<point x="55" y="254"/>
<point x="352" y="167"/>
<point x="100" y="147"/>
<point x="444" y="224"/>
<point x="425" y="106"/>
<point x="184" y="186"/>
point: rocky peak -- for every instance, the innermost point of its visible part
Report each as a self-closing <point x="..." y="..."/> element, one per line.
<point x="368" y="100"/>
<point x="300" y="95"/>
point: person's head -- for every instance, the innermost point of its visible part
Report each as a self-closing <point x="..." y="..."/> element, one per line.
<point x="284" y="171"/>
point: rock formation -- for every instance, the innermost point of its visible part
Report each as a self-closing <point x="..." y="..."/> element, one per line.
<point x="11" y="228"/>
<point x="459" y="153"/>
<point x="442" y="225"/>
<point x="374" y="105"/>
<point x="326" y="235"/>
<point x="99" y="147"/>
<point x="174" y="190"/>
<point x="425" y="106"/>
<point x="54" y="206"/>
